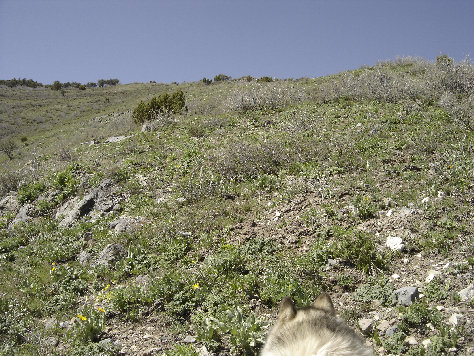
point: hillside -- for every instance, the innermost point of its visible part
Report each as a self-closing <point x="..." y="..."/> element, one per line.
<point x="181" y="237"/>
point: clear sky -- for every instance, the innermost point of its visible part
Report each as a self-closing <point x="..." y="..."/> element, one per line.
<point x="186" y="40"/>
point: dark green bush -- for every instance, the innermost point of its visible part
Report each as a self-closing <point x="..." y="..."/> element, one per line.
<point x="221" y="78"/>
<point x="56" y="85"/>
<point x="161" y="105"/>
<point x="265" y="80"/>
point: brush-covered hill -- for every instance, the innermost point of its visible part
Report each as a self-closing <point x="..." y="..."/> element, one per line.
<point x="181" y="236"/>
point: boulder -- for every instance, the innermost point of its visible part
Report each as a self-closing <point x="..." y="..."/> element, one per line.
<point x="110" y="254"/>
<point x="406" y="295"/>
<point x="100" y="199"/>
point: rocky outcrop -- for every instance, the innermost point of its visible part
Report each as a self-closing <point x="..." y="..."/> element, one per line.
<point x="102" y="200"/>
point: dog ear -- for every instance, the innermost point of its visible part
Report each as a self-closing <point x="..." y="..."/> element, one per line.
<point x="287" y="310"/>
<point x="324" y="302"/>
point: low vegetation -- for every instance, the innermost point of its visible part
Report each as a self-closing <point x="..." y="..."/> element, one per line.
<point x="119" y="240"/>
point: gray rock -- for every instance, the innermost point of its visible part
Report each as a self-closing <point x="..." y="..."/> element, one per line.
<point x="391" y="330"/>
<point x="467" y="293"/>
<point x="189" y="339"/>
<point x="152" y="351"/>
<point x="116" y="139"/>
<point x="9" y="204"/>
<point x="124" y="224"/>
<point x="411" y="340"/>
<point x="84" y="257"/>
<point x="366" y="325"/>
<point x="406" y="295"/>
<point x="383" y="326"/>
<point x="110" y="254"/>
<point x="24" y="215"/>
<point x="99" y="199"/>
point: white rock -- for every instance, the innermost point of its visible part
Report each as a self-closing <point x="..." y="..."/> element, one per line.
<point x="425" y="200"/>
<point x="467" y="293"/>
<point x="455" y="319"/>
<point x="395" y="276"/>
<point x="440" y="194"/>
<point x="366" y="325"/>
<point x="389" y="213"/>
<point x="404" y="211"/>
<point x="431" y="275"/>
<point x="426" y="343"/>
<point x="411" y="340"/>
<point x="203" y="351"/>
<point x="394" y="243"/>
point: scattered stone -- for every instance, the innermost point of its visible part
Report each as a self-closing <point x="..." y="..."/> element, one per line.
<point x="426" y="343"/>
<point x="50" y="323"/>
<point x="110" y="254"/>
<point x="189" y="339"/>
<point x="116" y="139"/>
<point x="366" y="325"/>
<point x="431" y="275"/>
<point x="411" y="340"/>
<point x="84" y="257"/>
<point x="203" y="351"/>
<point x="181" y="200"/>
<point x="455" y="320"/>
<point x="391" y="330"/>
<point x="439" y="308"/>
<point x="404" y="211"/>
<point x="51" y="341"/>
<point x="425" y="200"/>
<point x="395" y="276"/>
<point x="106" y="342"/>
<point x="277" y="216"/>
<point x="24" y="215"/>
<point x="383" y="326"/>
<point x="124" y="224"/>
<point x="467" y="293"/>
<point x="152" y="351"/>
<point x="9" y="204"/>
<point x="406" y="295"/>
<point x="395" y="243"/>
<point x="143" y="280"/>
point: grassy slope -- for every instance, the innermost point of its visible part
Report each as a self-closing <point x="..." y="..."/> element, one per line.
<point x="258" y="191"/>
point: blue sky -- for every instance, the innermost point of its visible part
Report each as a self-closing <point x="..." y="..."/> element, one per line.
<point x="186" y="40"/>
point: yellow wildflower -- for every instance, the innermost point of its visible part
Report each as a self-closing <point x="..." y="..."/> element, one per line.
<point x="83" y="318"/>
<point x="106" y="287"/>
<point x="196" y="286"/>
<point x="101" y="310"/>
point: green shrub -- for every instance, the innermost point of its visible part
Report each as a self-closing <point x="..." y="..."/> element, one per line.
<point x="265" y="80"/>
<point x="164" y="104"/>
<point x="246" y="335"/>
<point x="29" y="192"/>
<point x="89" y="324"/>
<point x="375" y="289"/>
<point x="358" y="248"/>
<point x="56" y="85"/>
<point x="221" y="78"/>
